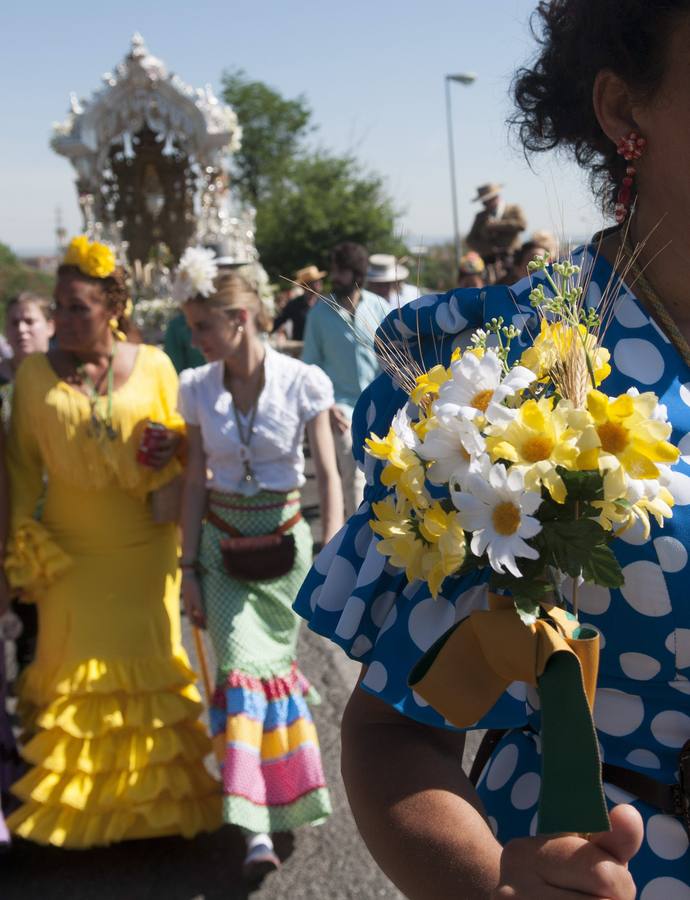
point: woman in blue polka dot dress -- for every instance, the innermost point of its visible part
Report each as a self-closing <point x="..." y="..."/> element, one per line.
<point x="603" y="70"/>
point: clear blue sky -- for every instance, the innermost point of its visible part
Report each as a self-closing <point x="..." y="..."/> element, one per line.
<point x="372" y="73"/>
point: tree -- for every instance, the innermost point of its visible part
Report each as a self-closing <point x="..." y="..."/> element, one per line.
<point x="326" y="199"/>
<point x="272" y="131"/>
<point x="438" y="267"/>
<point x="306" y="201"/>
<point x="16" y="277"/>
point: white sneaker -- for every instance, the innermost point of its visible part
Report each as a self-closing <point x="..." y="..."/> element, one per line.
<point x="259" y="862"/>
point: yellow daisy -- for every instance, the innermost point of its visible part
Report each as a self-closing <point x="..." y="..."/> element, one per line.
<point x="537" y="440"/>
<point x="623" y="432"/>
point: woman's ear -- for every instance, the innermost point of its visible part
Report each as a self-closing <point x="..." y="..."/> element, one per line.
<point x="613" y="105"/>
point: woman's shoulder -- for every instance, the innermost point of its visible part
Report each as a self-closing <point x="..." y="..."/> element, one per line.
<point x="34" y="371"/>
<point x="199" y="375"/>
<point x="151" y="356"/>
<point x="302" y="380"/>
<point x="291" y="367"/>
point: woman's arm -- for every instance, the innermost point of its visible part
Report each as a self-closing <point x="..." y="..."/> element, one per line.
<point x="416" y="810"/>
<point x="193" y="506"/>
<point x="327" y="477"/>
<point x="424" y="823"/>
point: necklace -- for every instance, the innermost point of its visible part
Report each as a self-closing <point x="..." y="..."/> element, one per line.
<point x="645" y="292"/>
<point x="100" y="425"/>
<point x="249" y="486"/>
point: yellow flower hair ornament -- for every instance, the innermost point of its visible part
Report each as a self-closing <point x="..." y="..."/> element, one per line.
<point x="90" y="257"/>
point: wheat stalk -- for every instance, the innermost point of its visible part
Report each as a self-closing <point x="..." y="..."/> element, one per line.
<point x="394" y="354"/>
<point x="576" y="380"/>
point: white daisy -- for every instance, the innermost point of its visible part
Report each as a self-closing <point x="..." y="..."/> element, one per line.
<point x="498" y="511"/>
<point x="453" y="448"/>
<point x="402" y="428"/>
<point x="479" y="386"/>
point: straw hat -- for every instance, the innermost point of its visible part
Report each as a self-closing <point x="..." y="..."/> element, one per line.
<point x="309" y="274"/>
<point x="384" y="268"/>
<point x="487" y="192"/>
<point x="545" y="239"/>
<point x="471" y="264"/>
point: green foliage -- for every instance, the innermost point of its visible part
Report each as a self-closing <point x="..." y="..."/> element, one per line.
<point x="527" y="608"/>
<point x="16" y="277"/>
<point x="601" y="567"/>
<point x="570" y="541"/>
<point x="526" y="591"/>
<point x="272" y="131"/>
<point x="587" y="486"/>
<point x="306" y="201"/>
<point x="326" y="199"/>
<point x="569" y="544"/>
<point x="437" y="267"/>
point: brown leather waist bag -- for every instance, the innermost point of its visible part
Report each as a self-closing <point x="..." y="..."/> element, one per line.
<point x="259" y="557"/>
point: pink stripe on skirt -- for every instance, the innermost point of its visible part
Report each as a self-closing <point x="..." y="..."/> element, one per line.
<point x="276" y="783"/>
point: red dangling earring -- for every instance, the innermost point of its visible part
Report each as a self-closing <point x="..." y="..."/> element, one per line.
<point x="630" y="148"/>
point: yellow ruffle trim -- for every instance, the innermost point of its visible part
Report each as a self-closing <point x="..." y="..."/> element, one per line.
<point x="108" y="791"/>
<point x="108" y="676"/>
<point x="118" y="754"/>
<point x="66" y="827"/>
<point x="98" y="715"/>
<point x="125" y="750"/>
<point x="33" y="559"/>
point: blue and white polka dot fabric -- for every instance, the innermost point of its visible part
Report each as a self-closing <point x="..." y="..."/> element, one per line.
<point x="357" y="599"/>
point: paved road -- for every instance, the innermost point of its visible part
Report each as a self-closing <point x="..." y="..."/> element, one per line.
<point x="325" y="863"/>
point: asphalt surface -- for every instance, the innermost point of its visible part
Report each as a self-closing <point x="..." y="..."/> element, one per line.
<point x="329" y="862"/>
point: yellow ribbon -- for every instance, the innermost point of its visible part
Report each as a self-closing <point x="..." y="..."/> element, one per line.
<point x="493" y="648"/>
<point x="468" y="669"/>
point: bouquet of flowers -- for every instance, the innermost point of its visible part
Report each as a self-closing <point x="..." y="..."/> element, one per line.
<point x="528" y="468"/>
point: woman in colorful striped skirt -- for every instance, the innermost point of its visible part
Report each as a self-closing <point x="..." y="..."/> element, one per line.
<point x="246" y="412"/>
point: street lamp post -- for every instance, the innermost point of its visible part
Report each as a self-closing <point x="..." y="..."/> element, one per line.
<point x="465" y="78"/>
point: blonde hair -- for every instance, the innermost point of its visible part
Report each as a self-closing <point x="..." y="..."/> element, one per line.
<point x="232" y="292"/>
<point x="45" y="304"/>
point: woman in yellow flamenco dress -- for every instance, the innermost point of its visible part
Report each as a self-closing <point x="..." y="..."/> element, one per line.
<point x="116" y="746"/>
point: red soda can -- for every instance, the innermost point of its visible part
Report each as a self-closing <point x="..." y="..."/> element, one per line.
<point x="150" y="439"/>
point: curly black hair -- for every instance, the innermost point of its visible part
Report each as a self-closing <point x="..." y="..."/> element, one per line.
<point x="114" y="286"/>
<point x="349" y="255"/>
<point x="577" y="39"/>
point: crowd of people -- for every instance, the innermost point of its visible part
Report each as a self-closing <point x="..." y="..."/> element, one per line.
<point x="134" y="480"/>
<point x="129" y="490"/>
<point x="107" y="451"/>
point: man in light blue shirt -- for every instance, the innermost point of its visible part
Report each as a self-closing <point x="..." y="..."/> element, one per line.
<point x="340" y="341"/>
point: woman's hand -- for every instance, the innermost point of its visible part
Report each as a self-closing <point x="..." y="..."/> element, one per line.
<point x="191" y="597"/>
<point x="569" y="866"/>
<point x="165" y="448"/>
<point x="339" y="421"/>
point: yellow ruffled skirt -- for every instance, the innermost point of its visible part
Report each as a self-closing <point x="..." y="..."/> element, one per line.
<point x="117" y="748"/>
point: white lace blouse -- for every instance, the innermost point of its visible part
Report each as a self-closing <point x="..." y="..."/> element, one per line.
<point x="293" y="394"/>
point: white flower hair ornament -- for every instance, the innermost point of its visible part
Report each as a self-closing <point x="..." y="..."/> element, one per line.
<point x="195" y="274"/>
